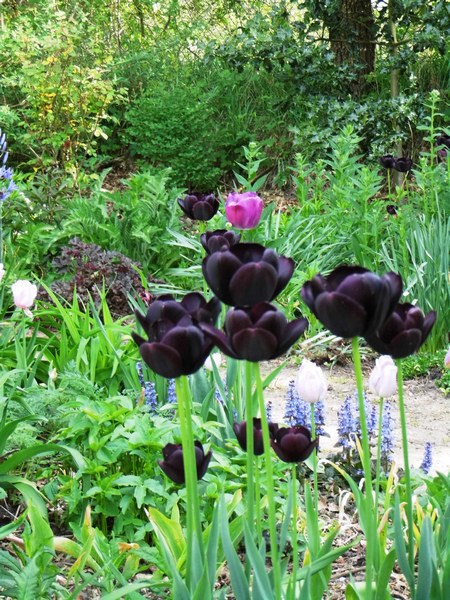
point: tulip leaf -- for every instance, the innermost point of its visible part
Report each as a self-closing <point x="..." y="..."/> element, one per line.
<point x="400" y="544"/>
<point x="384" y="575"/>
<point x="239" y="581"/>
<point x="262" y="581"/>
<point x="426" y="551"/>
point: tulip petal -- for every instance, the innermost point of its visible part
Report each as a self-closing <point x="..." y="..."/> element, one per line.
<point x="253" y="283"/>
<point x="405" y="343"/>
<point x="286" y="268"/>
<point x="341" y="315"/>
<point x="162" y="359"/>
<point x="218" y="269"/>
<point x="219" y="339"/>
<point x="293" y="331"/>
<point x="254" y="344"/>
<point x="174" y="474"/>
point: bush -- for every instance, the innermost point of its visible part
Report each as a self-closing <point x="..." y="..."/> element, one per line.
<point x="172" y="128"/>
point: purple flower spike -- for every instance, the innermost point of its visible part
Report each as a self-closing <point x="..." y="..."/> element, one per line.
<point x="293" y="444"/>
<point x="173" y="465"/>
<point x="247" y="274"/>
<point x="199" y="207"/>
<point x="221" y="239"/>
<point x="176" y="344"/>
<point x="244" y="211"/>
<point x="403" y="332"/>
<point x="258" y="333"/>
<point x="352" y="301"/>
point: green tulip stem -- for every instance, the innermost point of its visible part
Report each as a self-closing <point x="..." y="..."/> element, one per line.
<point x="258" y="501"/>
<point x="314" y="461"/>
<point x="370" y="525"/>
<point x="269" y="484"/>
<point x="294" y="529"/>
<point x="194" y="529"/>
<point x="378" y="467"/>
<point x="409" y="505"/>
<point x="250" y="446"/>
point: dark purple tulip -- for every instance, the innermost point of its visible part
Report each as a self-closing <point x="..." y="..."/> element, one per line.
<point x="443" y="140"/>
<point x="173" y="465"/>
<point x="403" y="332"/>
<point x="176" y="344"/>
<point x="403" y="165"/>
<point x="247" y="274"/>
<point x="221" y="239"/>
<point x="294" y="444"/>
<point x="199" y="207"/>
<point x="391" y="209"/>
<point x="240" y="429"/>
<point x="352" y="301"/>
<point x="261" y="332"/>
<point x="387" y="161"/>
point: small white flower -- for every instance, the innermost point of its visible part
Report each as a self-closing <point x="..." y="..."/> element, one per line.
<point x="310" y="383"/>
<point x="2" y="271"/>
<point x="216" y="358"/>
<point x="383" y="379"/>
<point x="24" y="294"/>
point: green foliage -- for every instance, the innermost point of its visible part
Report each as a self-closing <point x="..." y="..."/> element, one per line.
<point x="171" y="127"/>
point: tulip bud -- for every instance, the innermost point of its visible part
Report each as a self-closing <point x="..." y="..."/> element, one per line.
<point x="199" y="207"/>
<point x="244" y="211"/>
<point x="310" y="383"/>
<point x="383" y="379"/>
<point x="447" y="360"/>
<point x="387" y="161"/>
<point x="240" y="429"/>
<point x="173" y="465"/>
<point x="293" y="444"/>
<point x="24" y="294"/>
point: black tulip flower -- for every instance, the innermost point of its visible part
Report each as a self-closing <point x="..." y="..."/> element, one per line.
<point x="443" y="140"/>
<point x="352" y="301"/>
<point x="403" y="332"/>
<point x="176" y="344"/>
<point x="221" y="239"/>
<point x="391" y="209"/>
<point x="387" y="161"/>
<point x="403" y="165"/>
<point x="240" y="429"/>
<point x="173" y="465"/>
<point x="247" y="274"/>
<point x="199" y="207"/>
<point x="261" y="332"/>
<point x="293" y="444"/>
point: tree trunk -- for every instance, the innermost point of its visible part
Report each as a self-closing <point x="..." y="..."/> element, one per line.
<point x="352" y="29"/>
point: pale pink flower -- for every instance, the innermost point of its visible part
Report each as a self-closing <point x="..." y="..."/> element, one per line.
<point x="24" y="294"/>
<point x="447" y="360"/>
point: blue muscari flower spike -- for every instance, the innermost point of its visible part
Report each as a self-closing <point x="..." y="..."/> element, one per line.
<point x="171" y="393"/>
<point x="319" y="417"/>
<point x="346" y="422"/>
<point x="296" y="411"/>
<point x="269" y="411"/>
<point x="151" y="398"/>
<point x="387" y="434"/>
<point x="427" y="458"/>
<point x="140" y="373"/>
<point x="5" y="173"/>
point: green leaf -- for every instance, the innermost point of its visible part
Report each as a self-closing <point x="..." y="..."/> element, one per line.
<point x="400" y="544"/>
<point x="384" y="575"/>
<point x="426" y="549"/>
<point x="170" y="531"/>
<point x="259" y="567"/>
<point x="239" y="581"/>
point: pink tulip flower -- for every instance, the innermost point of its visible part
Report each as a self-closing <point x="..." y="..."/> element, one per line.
<point x="244" y="211"/>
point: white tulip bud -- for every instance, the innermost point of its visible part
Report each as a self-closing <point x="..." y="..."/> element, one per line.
<point x="310" y="383"/>
<point x="383" y="379"/>
<point x="24" y="294"/>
